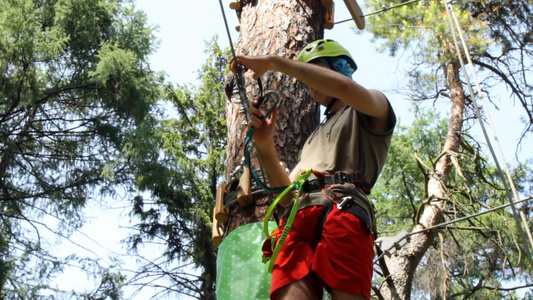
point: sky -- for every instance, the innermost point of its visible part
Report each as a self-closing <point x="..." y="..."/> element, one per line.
<point x="183" y="29"/>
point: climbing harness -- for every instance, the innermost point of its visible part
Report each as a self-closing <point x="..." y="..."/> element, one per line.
<point x="303" y="186"/>
<point x="347" y="204"/>
<point x="324" y="180"/>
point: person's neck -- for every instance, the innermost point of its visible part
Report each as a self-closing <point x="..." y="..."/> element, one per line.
<point x="333" y="106"/>
<point x="338" y="105"/>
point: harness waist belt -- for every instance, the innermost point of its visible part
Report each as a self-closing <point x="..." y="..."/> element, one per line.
<point x="337" y="178"/>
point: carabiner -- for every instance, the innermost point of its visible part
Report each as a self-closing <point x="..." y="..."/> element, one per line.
<point x="271" y="106"/>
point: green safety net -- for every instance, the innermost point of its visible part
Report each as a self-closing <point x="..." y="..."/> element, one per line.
<point x="240" y="271"/>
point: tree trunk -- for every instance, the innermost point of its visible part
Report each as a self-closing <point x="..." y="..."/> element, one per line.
<point x="402" y="263"/>
<point x="280" y="27"/>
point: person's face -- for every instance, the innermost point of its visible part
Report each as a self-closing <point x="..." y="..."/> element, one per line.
<point x="319" y="97"/>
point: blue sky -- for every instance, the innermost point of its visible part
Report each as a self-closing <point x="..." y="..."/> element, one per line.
<point x="184" y="26"/>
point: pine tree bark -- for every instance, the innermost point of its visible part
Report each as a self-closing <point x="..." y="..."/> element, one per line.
<point x="402" y="263"/>
<point x="280" y="27"/>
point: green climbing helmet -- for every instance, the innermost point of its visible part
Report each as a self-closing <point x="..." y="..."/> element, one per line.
<point x="325" y="48"/>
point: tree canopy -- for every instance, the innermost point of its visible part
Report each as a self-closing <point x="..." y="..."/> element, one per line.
<point x="449" y="177"/>
<point x="479" y="253"/>
<point x="178" y="185"/>
<point x="75" y="91"/>
<point x="498" y="37"/>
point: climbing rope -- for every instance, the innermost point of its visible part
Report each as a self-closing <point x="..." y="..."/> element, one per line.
<point x="241" y="84"/>
<point x="248" y="144"/>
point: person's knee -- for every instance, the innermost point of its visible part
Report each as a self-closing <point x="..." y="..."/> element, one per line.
<point x="309" y="287"/>
<point x="340" y="295"/>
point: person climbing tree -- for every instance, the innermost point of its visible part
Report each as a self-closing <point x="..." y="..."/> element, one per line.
<point x="330" y="244"/>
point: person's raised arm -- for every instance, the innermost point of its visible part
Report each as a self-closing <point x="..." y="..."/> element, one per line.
<point x="368" y="101"/>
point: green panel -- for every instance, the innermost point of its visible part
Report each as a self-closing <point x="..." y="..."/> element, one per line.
<point x="240" y="271"/>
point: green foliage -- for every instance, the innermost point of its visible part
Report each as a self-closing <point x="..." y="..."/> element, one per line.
<point x="181" y="178"/>
<point x="479" y="252"/>
<point x="498" y="37"/>
<point x="424" y="26"/>
<point x="74" y="89"/>
<point x="401" y="185"/>
<point x="110" y="285"/>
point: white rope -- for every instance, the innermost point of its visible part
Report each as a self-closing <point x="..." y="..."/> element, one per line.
<point x="451" y="14"/>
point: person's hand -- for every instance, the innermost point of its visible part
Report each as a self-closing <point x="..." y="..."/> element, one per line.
<point x="263" y="126"/>
<point x="258" y="64"/>
<point x="233" y="65"/>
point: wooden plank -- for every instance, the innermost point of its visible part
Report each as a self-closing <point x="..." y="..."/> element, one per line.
<point x="221" y="212"/>
<point x="235" y="5"/>
<point x="244" y="191"/>
<point x="329" y="18"/>
<point x="217" y="231"/>
<point x="356" y="12"/>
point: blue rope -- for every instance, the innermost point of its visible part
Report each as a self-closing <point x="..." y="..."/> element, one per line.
<point x="247" y="161"/>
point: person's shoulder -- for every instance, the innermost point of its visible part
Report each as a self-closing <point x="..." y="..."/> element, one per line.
<point x="378" y="126"/>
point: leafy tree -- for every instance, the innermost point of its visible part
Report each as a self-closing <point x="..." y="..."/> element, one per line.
<point x="479" y="253"/>
<point x="178" y="183"/>
<point x="510" y="61"/>
<point x="498" y="37"/>
<point x="75" y="90"/>
<point x="502" y="56"/>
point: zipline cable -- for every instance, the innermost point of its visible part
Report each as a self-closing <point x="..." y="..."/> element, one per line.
<point x="227" y="28"/>
<point x="241" y="84"/>
<point x="451" y="12"/>
<point x="438" y="226"/>
<point x="383" y="9"/>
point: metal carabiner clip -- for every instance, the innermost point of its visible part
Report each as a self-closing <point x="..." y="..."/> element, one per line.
<point x="345" y="202"/>
<point x="274" y="95"/>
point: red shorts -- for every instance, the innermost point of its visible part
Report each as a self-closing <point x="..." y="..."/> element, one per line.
<point x="343" y="259"/>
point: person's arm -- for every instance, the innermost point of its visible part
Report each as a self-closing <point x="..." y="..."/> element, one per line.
<point x="275" y="172"/>
<point x="266" y="149"/>
<point x="367" y="101"/>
